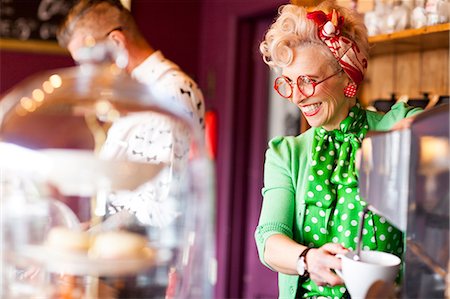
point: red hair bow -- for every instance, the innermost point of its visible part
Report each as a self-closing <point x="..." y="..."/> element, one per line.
<point x="347" y="53"/>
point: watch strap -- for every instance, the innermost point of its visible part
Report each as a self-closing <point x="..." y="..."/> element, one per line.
<point x="302" y="257"/>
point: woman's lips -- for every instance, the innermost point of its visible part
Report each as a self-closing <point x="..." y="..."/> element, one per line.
<point x="311" y="110"/>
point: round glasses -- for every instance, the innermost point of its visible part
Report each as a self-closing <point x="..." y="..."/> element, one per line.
<point x="307" y="86"/>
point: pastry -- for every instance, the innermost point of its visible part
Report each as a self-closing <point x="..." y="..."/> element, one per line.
<point x="63" y="238"/>
<point x="118" y="245"/>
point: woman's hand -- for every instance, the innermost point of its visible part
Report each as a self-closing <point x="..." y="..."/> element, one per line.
<point x="321" y="261"/>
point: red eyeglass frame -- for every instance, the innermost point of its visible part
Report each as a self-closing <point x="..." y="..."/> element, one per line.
<point x="313" y="83"/>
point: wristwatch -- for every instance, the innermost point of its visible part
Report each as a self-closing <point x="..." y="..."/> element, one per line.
<point x="301" y="263"/>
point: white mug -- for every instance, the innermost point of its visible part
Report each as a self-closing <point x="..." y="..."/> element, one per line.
<point x="372" y="267"/>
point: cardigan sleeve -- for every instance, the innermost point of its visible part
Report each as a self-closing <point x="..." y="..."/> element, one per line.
<point x="277" y="213"/>
<point x="384" y="122"/>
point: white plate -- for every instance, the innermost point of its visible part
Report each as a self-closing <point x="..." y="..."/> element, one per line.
<point x="73" y="263"/>
<point x="81" y="173"/>
<point x="76" y="172"/>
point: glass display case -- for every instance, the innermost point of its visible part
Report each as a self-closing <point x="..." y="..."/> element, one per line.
<point x="405" y="177"/>
<point x="79" y="220"/>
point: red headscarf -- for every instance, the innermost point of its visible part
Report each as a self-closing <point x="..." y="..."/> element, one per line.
<point x="347" y="53"/>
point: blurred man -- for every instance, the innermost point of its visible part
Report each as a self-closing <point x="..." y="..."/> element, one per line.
<point x="139" y="137"/>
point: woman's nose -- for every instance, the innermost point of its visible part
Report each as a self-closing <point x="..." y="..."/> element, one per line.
<point x="297" y="96"/>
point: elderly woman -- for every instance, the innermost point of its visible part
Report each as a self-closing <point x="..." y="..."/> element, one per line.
<point x="311" y="204"/>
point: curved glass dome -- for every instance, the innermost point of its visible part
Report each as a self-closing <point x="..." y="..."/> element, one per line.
<point x="53" y="128"/>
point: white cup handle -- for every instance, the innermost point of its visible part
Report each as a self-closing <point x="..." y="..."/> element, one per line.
<point x="339" y="272"/>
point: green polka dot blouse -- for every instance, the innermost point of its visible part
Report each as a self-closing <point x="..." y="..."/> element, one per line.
<point x="311" y="194"/>
<point x="333" y="204"/>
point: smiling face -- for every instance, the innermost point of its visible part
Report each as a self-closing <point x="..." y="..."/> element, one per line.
<point x="328" y="106"/>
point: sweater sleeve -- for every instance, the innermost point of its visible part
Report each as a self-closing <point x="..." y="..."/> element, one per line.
<point x="277" y="213"/>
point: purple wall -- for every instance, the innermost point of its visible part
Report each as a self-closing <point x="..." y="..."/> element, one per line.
<point x="218" y="71"/>
<point x="172" y="26"/>
<point x="16" y="66"/>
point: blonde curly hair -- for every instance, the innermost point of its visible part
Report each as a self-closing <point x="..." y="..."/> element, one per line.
<point x="293" y="29"/>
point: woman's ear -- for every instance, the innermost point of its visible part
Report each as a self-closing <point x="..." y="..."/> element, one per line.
<point x="347" y="79"/>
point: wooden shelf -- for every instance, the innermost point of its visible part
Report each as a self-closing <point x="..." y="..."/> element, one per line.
<point x="32" y="46"/>
<point x="425" y="38"/>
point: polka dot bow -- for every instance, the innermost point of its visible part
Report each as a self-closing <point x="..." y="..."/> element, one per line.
<point x="333" y="157"/>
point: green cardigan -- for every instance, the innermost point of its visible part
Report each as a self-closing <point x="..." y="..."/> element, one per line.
<point x="285" y="177"/>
